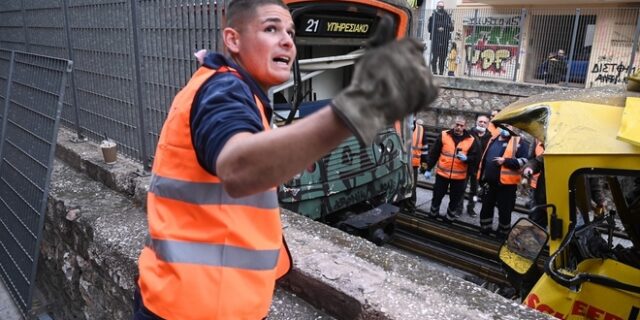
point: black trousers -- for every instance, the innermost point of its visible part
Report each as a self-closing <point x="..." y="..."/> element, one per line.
<point x="139" y="310"/>
<point x="438" y="57"/>
<point x="501" y="196"/>
<point x="472" y="181"/>
<point x="473" y="187"/>
<point x="456" y="191"/>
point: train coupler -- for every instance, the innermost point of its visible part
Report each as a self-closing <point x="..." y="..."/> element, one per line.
<point x="376" y="225"/>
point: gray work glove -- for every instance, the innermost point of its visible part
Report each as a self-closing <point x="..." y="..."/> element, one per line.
<point x="389" y="83"/>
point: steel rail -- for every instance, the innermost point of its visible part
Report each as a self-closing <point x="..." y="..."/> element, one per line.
<point x="482" y="267"/>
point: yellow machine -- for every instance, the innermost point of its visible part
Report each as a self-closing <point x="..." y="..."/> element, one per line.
<point x="593" y="269"/>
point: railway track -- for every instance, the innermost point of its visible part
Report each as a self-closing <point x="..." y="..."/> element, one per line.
<point x="453" y="245"/>
<point x="458" y="244"/>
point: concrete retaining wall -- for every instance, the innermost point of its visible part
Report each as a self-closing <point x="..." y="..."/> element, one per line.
<point x="471" y="97"/>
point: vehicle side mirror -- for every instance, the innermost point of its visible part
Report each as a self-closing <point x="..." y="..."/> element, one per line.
<point x="523" y="246"/>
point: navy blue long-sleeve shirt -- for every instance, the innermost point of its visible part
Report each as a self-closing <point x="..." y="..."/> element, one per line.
<point x="223" y="107"/>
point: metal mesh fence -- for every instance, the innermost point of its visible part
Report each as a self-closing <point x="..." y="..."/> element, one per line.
<point x="170" y="32"/>
<point x="132" y="56"/>
<point x="30" y="127"/>
<point x="12" y="26"/>
<point x="105" y="83"/>
<point x="5" y="60"/>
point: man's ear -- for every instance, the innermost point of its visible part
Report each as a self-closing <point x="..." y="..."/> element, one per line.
<point x="231" y="39"/>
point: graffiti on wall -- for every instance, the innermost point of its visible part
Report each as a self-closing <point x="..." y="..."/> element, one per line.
<point x="491" y="45"/>
<point x="611" y="73"/>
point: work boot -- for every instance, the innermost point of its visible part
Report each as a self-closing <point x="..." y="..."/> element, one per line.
<point x="459" y="207"/>
<point x="449" y="217"/>
<point x="433" y="213"/>
<point x="471" y="209"/>
<point x="486" y="231"/>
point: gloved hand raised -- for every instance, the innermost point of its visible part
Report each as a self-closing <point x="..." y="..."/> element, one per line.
<point x="461" y="156"/>
<point x="389" y="83"/>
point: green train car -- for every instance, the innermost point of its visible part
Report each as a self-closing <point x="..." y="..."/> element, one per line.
<point x="353" y="186"/>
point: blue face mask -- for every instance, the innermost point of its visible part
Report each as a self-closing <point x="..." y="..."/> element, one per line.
<point x="505" y="133"/>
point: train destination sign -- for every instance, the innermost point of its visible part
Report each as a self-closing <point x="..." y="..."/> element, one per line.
<point x="331" y="26"/>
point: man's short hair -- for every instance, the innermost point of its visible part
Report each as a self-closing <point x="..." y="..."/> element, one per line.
<point x="460" y="118"/>
<point x="239" y="11"/>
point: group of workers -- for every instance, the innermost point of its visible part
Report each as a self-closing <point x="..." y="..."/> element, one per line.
<point x="492" y="161"/>
<point x="487" y="158"/>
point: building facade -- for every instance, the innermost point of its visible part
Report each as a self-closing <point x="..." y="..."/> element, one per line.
<point x="596" y="42"/>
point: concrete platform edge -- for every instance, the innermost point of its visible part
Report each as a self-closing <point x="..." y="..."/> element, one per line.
<point x="347" y="276"/>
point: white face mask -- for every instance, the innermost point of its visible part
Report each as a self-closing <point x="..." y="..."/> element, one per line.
<point x="481" y="129"/>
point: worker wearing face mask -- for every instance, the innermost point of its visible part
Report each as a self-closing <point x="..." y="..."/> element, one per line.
<point x="499" y="172"/>
<point x="481" y="135"/>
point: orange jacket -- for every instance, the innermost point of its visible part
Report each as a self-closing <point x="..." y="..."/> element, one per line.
<point x="208" y="256"/>
<point x="507" y="176"/>
<point x="449" y="166"/>
<point x="538" y="151"/>
<point x="416" y="145"/>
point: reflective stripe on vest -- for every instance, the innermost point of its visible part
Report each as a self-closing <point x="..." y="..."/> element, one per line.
<point x="213" y="254"/>
<point x="207" y="193"/>
<point x="448" y="165"/>
<point x="416" y="145"/>
<point x="538" y="151"/>
<point x="209" y="255"/>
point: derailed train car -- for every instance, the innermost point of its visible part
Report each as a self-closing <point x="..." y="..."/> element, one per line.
<point x="330" y="36"/>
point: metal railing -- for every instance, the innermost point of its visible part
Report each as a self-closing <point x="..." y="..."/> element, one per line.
<point x="132" y="56"/>
<point x="32" y="95"/>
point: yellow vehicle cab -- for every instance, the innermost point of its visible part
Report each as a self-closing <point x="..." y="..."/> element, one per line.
<point x="593" y="269"/>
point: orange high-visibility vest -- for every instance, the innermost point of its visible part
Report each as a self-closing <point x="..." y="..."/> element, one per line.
<point x="538" y="151"/>
<point x="208" y="256"/>
<point x="507" y="176"/>
<point x="448" y="165"/>
<point x="416" y="145"/>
